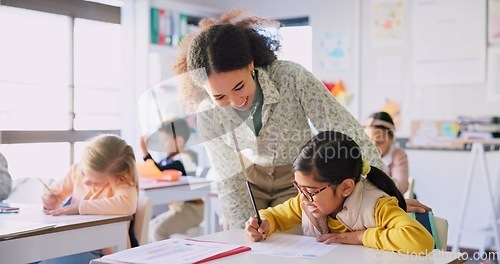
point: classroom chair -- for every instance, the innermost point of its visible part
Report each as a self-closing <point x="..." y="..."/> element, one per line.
<point x="411" y="186"/>
<point x="142" y="217"/>
<point x="437" y="226"/>
<point x="442" y="231"/>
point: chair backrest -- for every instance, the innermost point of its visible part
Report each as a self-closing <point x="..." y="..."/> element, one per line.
<point x="142" y="217"/>
<point x="437" y="226"/>
<point x="411" y="185"/>
<point x="442" y="231"/>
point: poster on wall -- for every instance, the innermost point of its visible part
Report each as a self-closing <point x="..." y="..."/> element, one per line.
<point x="387" y="22"/>
<point x="335" y="52"/>
<point x="493" y="76"/>
<point x="449" y="42"/>
<point x="494" y="21"/>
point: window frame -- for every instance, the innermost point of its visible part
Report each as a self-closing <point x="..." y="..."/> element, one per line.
<point x="72" y="9"/>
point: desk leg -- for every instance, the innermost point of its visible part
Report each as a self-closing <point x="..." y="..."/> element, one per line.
<point x="207" y="215"/>
<point x="474" y="152"/>
<point x="477" y="152"/>
<point x="122" y="237"/>
<point x="491" y="196"/>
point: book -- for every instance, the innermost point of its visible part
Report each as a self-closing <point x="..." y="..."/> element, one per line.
<point x="177" y="250"/>
<point x="10" y="229"/>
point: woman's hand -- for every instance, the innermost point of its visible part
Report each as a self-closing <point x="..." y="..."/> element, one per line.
<point x="350" y="238"/>
<point x="71" y="209"/>
<point x="413" y="205"/>
<point x="256" y="232"/>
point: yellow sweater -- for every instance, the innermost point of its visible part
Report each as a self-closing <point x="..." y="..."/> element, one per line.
<point x="395" y="231"/>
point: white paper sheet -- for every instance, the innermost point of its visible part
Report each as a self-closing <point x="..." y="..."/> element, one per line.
<point x="299" y="247"/>
<point x="172" y="250"/>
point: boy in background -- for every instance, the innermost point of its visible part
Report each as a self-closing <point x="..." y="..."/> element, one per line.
<point x="181" y="216"/>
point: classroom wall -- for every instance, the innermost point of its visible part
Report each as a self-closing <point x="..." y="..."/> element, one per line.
<point x="437" y="102"/>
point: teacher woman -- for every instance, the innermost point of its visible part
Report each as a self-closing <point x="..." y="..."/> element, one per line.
<point x="254" y="106"/>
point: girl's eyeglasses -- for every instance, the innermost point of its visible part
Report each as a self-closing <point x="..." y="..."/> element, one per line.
<point x="309" y="196"/>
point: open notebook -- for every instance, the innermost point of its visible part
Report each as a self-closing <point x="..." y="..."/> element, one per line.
<point x="10" y="229"/>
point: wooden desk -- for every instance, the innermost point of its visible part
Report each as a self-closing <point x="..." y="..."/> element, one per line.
<point x="341" y="254"/>
<point x="72" y="234"/>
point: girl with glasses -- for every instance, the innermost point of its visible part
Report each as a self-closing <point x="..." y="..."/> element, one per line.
<point x="342" y="199"/>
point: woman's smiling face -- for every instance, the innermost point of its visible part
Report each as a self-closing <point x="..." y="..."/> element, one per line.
<point x="233" y="88"/>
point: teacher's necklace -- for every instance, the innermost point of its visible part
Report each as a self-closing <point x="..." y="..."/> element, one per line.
<point x="254" y="110"/>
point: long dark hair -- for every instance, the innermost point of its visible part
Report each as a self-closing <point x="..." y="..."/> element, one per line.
<point x="333" y="157"/>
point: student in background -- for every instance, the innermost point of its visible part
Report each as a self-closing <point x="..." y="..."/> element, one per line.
<point x="380" y="128"/>
<point x="342" y="199"/>
<point x="181" y="216"/>
<point x="5" y="179"/>
<point x="103" y="183"/>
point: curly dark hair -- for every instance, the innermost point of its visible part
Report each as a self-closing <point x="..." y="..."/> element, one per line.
<point x="228" y="43"/>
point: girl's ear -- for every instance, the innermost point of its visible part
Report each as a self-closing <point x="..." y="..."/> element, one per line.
<point x="346" y="187"/>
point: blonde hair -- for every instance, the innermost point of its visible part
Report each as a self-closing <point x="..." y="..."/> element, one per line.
<point x="110" y="154"/>
<point x="246" y="41"/>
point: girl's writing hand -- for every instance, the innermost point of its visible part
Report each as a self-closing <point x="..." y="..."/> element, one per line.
<point x="256" y="232"/>
<point x="51" y="200"/>
<point x="71" y="209"/>
<point x="350" y="238"/>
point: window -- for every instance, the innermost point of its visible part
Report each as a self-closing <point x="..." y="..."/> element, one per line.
<point x="60" y="82"/>
<point x="296" y="45"/>
<point x="34" y="70"/>
<point x="296" y="41"/>
<point x="97" y="74"/>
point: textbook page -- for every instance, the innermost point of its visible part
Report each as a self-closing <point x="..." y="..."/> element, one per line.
<point x="286" y="245"/>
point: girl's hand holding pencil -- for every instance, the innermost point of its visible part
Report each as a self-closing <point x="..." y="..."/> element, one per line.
<point x="50" y="198"/>
<point x="256" y="232"/>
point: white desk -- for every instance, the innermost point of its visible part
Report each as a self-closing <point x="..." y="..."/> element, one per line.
<point x="72" y="234"/>
<point x="187" y="188"/>
<point x="341" y="254"/>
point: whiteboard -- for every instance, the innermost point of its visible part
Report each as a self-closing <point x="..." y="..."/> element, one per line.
<point x="449" y="42"/>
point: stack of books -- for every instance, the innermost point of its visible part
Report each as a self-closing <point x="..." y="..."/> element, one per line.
<point x="484" y="127"/>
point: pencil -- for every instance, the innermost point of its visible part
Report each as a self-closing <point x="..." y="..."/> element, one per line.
<point x="259" y="220"/>
<point x="49" y="189"/>
<point x="242" y="164"/>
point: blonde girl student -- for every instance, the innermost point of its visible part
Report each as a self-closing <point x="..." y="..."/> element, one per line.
<point x="342" y="199"/>
<point x="104" y="182"/>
